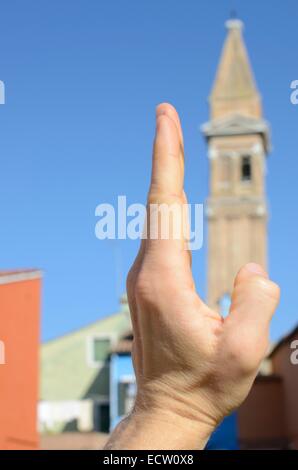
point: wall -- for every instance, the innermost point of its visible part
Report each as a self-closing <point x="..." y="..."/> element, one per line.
<point x="261" y="416"/>
<point x="283" y="366"/>
<point x="19" y="331"/>
<point x="68" y="376"/>
<point x="78" y="414"/>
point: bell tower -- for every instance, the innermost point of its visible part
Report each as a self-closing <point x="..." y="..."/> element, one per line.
<point x="238" y="143"/>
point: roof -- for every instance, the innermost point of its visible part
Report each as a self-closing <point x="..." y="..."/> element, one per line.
<point x="19" y="275"/>
<point x="100" y="321"/>
<point x="124" y="345"/>
<point x="283" y="341"/>
<point x="234" y="77"/>
<point x="268" y="378"/>
<point x="68" y="371"/>
<point x="234" y="89"/>
<point x="104" y="320"/>
<point x="237" y="124"/>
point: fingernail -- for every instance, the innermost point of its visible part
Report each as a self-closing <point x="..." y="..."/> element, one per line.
<point x="256" y="269"/>
<point x="159" y="111"/>
<point x="159" y="122"/>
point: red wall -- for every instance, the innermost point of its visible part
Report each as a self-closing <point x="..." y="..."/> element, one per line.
<point x="19" y="330"/>
<point x="261" y="418"/>
<point x="282" y="365"/>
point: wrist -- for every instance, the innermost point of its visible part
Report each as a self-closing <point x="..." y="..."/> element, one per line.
<point x="165" y="429"/>
<point x="159" y="429"/>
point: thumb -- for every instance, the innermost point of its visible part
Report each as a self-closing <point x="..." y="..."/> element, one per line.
<point x="253" y="303"/>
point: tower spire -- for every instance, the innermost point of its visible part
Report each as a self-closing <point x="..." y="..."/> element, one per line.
<point x="233" y="14"/>
<point x="238" y="141"/>
<point x="234" y="90"/>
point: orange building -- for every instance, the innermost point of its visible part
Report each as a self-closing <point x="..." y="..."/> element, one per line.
<point x="268" y="419"/>
<point x="19" y="345"/>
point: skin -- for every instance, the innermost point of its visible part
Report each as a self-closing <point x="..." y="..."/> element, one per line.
<point x="192" y="366"/>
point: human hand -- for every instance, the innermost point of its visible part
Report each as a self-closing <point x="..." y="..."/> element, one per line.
<point x="192" y="366"/>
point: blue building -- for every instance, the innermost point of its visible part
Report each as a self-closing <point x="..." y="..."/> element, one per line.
<point x="122" y="380"/>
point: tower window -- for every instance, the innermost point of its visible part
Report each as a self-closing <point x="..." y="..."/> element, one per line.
<point x="246" y="168"/>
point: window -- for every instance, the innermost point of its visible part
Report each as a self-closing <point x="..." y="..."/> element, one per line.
<point x="101" y="348"/>
<point x="246" y="168"/>
<point x="101" y="417"/>
<point x="98" y="350"/>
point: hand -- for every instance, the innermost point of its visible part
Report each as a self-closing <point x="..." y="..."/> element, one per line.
<point x="192" y="366"/>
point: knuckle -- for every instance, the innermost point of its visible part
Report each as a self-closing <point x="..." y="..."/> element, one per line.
<point x="133" y="283"/>
<point x="247" y="363"/>
<point x="143" y="286"/>
<point x="130" y="279"/>
<point x="158" y="195"/>
<point x="149" y="287"/>
<point x="243" y="356"/>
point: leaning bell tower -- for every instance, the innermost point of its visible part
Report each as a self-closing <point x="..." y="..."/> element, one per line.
<point x="238" y="144"/>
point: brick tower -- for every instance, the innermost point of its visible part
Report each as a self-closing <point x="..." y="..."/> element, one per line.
<point x="238" y="143"/>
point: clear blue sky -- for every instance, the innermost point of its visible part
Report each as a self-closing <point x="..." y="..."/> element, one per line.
<point x="82" y="82"/>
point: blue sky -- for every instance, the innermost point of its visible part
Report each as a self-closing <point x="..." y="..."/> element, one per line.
<point x="82" y="82"/>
